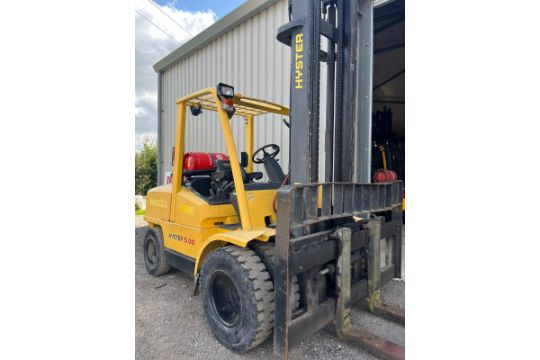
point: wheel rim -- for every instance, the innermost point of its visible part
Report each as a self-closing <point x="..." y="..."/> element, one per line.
<point x="151" y="252"/>
<point x="225" y="299"/>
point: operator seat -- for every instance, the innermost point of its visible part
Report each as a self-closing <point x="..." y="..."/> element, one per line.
<point x="274" y="171"/>
<point x="271" y="165"/>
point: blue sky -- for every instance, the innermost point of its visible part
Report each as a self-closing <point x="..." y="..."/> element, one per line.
<point x="221" y="8"/>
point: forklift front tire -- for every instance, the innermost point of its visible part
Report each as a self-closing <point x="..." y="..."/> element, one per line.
<point x="237" y="296"/>
<point x="154" y="253"/>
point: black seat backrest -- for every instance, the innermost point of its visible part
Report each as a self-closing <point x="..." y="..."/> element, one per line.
<point x="275" y="174"/>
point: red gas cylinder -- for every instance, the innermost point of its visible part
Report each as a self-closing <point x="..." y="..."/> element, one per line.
<point x="391" y="175"/>
<point x="201" y="160"/>
<point x="379" y="176"/>
<point x="382" y="175"/>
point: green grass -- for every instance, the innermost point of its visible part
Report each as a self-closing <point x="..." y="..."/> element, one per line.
<point x="140" y="212"/>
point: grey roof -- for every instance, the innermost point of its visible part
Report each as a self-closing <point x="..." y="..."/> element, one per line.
<point x="245" y="11"/>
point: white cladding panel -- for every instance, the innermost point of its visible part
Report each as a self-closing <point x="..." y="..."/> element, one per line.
<point x="251" y="59"/>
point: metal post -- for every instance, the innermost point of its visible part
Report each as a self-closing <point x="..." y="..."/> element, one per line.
<point x="305" y="49"/>
<point x="364" y="81"/>
<point x="338" y="118"/>
<point x="397" y="214"/>
<point x="178" y="155"/>
<point x="343" y="311"/>
<point x="374" y="261"/>
<point x="329" y="144"/>
<point x="245" y="218"/>
<point x="281" y="274"/>
<point x="249" y="142"/>
<point x="344" y="139"/>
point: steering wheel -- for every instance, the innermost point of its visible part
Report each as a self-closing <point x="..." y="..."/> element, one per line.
<point x="272" y="155"/>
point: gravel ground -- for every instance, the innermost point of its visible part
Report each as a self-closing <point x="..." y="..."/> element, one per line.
<point x="169" y="323"/>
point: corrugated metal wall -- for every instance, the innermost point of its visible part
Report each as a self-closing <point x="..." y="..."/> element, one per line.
<point x="251" y="59"/>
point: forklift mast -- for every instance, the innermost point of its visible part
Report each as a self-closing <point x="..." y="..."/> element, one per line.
<point x="346" y="28"/>
<point x="329" y="230"/>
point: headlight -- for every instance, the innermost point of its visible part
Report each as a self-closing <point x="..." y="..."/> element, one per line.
<point x="225" y="91"/>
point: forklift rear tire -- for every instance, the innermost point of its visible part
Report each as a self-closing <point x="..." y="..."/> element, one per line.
<point x="237" y="296"/>
<point x="154" y="252"/>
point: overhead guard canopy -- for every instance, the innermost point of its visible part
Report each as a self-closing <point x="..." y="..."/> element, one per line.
<point x="245" y="106"/>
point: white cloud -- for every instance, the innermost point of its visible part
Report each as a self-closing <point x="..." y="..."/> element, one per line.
<point x="151" y="45"/>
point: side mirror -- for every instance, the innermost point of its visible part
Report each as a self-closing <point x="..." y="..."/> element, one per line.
<point x="244" y="159"/>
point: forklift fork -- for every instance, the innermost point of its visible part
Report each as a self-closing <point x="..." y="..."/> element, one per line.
<point x="344" y="327"/>
<point x="375" y="305"/>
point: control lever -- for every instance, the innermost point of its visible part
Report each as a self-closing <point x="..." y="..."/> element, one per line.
<point x="287" y="123"/>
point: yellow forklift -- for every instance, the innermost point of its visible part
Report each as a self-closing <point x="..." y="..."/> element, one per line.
<point x="285" y="254"/>
<point x="203" y="222"/>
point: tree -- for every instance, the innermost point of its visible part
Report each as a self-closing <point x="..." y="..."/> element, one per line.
<point x="146" y="168"/>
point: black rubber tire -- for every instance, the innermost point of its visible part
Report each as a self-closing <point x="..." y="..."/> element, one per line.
<point x="266" y="251"/>
<point x="155" y="258"/>
<point x="254" y="292"/>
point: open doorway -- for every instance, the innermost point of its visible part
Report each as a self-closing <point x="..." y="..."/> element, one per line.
<point x="388" y="133"/>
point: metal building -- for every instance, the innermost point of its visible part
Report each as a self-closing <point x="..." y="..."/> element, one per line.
<point x="241" y="50"/>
